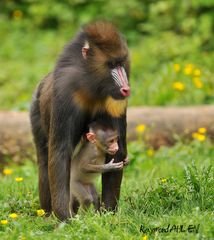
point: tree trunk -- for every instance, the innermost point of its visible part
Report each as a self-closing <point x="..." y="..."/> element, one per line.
<point x="163" y="126"/>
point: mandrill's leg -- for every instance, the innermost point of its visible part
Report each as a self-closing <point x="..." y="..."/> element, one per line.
<point x="44" y="189"/>
<point x="42" y="156"/>
<point x="111" y="181"/>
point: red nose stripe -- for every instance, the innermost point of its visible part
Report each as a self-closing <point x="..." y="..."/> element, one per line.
<point x="120" y="73"/>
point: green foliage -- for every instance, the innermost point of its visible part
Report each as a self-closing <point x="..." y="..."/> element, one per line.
<point x="133" y="16"/>
<point x="171" y="186"/>
<point x="170" y="196"/>
<point x="199" y="185"/>
<point x="160" y="33"/>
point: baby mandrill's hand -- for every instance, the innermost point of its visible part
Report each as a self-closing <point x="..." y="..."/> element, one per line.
<point x="111" y="166"/>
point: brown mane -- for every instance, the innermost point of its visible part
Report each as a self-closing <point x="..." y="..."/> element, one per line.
<point x="104" y="35"/>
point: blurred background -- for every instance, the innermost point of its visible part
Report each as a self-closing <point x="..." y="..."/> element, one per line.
<point x="171" y="44"/>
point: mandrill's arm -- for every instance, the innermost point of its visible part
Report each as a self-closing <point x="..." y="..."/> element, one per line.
<point x="102" y="168"/>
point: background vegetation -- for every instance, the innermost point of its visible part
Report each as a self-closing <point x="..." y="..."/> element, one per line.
<point x="171" y="45"/>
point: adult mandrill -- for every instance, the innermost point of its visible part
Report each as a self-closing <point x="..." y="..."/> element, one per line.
<point x="89" y="82"/>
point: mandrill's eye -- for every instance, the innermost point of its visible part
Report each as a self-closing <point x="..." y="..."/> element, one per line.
<point x="111" y="64"/>
<point x="115" y="63"/>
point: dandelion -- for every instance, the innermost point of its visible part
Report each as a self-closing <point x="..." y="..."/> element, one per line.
<point x="179" y="86"/>
<point x="22" y="238"/>
<point x="150" y="152"/>
<point x="188" y="69"/>
<point x="195" y="135"/>
<point x="197" y="82"/>
<point x="4" y="222"/>
<point x="200" y="137"/>
<point x="140" y="128"/>
<point x="19" y="179"/>
<point x="7" y="171"/>
<point x="176" y="67"/>
<point x="145" y="237"/>
<point x="197" y="72"/>
<point x="163" y="180"/>
<point x="17" y="14"/>
<point x="40" y="212"/>
<point x="13" y="215"/>
<point x="202" y="130"/>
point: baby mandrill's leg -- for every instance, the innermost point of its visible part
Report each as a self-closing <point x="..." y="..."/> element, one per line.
<point x="82" y="193"/>
<point x="95" y="197"/>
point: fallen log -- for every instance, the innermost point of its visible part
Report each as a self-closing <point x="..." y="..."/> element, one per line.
<point x="163" y="126"/>
<point x="15" y="137"/>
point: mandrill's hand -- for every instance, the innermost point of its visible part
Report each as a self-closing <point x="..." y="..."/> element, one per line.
<point x="126" y="162"/>
<point x="111" y="166"/>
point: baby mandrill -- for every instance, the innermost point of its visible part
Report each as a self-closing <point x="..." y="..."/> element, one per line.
<point x="89" y="161"/>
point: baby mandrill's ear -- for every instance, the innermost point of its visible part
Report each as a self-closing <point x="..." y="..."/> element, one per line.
<point x="91" y="137"/>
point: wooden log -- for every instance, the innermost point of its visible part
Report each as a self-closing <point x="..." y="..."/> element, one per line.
<point x="15" y="137"/>
<point x="166" y="124"/>
<point x="163" y="126"/>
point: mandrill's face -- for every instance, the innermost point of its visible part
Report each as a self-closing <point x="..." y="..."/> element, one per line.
<point x="106" y="56"/>
<point x="111" y="70"/>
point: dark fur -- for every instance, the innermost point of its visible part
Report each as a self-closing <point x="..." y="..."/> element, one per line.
<point x="58" y="121"/>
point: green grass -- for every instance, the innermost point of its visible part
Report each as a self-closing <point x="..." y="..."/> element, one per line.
<point x="174" y="186"/>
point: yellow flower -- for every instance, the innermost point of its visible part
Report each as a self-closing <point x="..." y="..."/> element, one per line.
<point x="7" y="171"/>
<point x="177" y="67"/>
<point x="4" y="222"/>
<point x="22" y="238"/>
<point x="200" y="137"/>
<point x="202" y="130"/>
<point x="188" y="69"/>
<point x="140" y="128"/>
<point x="13" y="215"/>
<point x="179" y="86"/>
<point x="163" y="180"/>
<point x="145" y="237"/>
<point x="40" y="212"/>
<point x="19" y="179"/>
<point x="17" y="14"/>
<point x="197" y="72"/>
<point x="150" y="152"/>
<point x="197" y="82"/>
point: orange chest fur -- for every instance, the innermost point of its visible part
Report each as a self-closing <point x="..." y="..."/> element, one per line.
<point x="115" y="108"/>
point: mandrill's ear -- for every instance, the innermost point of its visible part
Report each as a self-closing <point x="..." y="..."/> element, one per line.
<point x="91" y="137"/>
<point x="85" y="50"/>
